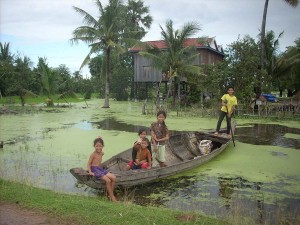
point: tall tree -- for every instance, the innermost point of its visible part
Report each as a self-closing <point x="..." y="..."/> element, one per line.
<point x="272" y="49"/>
<point x="292" y="3"/>
<point x="6" y="67"/>
<point x="287" y="69"/>
<point x="272" y="53"/>
<point x="102" y="34"/>
<point x="122" y="71"/>
<point x="107" y="33"/>
<point x="48" y="78"/>
<point x="64" y="78"/>
<point x="22" y="78"/>
<point x="5" y="54"/>
<point x="139" y="19"/>
<point x="238" y="69"/>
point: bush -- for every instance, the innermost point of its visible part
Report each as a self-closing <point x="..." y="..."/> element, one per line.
<point x="88" y="94"/>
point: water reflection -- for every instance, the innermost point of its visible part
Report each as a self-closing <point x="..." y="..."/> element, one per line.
<point x="268" y="134"/>
<point x="113" y="124"/>
<point x="84" y="125"/>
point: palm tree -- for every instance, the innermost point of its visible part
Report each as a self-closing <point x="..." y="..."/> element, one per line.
<point x="6" y="66"/>
<point x="292" y="3"/>
<point x="102" y="34"/>
<point x="109" y="31"/>
<point x="271" y="57"/>
<point x="176" y="60"/>
<point x="138" y="17"/>
<point x="5" y="52"/>
<point x="48" y="78"/>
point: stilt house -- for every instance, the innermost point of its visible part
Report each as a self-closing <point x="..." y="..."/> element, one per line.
<point x="145" y="74"/>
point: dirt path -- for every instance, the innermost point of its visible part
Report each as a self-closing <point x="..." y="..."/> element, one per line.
<point x="13" y="214"/>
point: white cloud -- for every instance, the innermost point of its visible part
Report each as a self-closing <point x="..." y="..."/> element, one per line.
<point x="227" y="19"/>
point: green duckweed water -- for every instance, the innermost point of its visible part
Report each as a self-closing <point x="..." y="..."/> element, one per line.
<point x="258" y="179"/>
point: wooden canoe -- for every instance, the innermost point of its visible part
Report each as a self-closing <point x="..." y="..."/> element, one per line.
<point x="182" y="153"/>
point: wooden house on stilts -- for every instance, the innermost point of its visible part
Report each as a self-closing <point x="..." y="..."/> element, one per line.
<point x="146" y="76"/>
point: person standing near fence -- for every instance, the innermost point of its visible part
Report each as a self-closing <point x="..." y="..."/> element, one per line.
<point x="229" y="101"/>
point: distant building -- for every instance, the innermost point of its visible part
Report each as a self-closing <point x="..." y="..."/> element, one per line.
<point x="144" y="72"/>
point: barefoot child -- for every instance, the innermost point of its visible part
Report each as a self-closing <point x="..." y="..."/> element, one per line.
<point x="159" y="136"/>
<point x="142" y="134"/>
<point x="141" y="156"/>
<point x="100" y="173"/>
<point x="229" y="101"/>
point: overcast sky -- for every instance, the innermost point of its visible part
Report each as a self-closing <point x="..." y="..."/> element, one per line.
<point x="42" y="28"/>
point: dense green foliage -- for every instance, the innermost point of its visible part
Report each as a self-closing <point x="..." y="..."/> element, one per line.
<point x="287" y="69"/>
<point x="263" y="40"/>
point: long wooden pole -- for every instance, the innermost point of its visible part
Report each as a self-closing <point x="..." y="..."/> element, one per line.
<point x="229" y="119"/>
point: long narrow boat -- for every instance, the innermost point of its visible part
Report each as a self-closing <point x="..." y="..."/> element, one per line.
<point x="182" y="153"/>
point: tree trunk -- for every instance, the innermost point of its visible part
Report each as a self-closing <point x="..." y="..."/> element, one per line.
<point x="178" y="90"/>
<point x="262" y="48"/>
<point x="262" y="36"/>
<point x="22" y="100"/>
<point x="169" y="89"/>
<point x="107" y="79"/>
<point x="170" y="77"/>
<point x="175" y="91"/>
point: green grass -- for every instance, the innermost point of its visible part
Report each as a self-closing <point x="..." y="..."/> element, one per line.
<point x="91" y="210"/>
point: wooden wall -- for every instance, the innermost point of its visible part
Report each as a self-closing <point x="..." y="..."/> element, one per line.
<point x="145" y="72"/>
<point x="207" y="57"/>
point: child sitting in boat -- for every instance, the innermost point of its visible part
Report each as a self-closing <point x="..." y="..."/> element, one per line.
<point x="141" y="156"/>
<point x="96" y="170"/>
<point x="142" y="133"/>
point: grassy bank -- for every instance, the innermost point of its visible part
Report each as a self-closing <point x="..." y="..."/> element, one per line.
<point x="90" y="210"/>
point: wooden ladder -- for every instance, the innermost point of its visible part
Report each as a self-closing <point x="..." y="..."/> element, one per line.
<point x="159" y="98"/>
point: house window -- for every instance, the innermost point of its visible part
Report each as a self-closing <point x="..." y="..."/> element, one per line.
<point x="146" y="73"/>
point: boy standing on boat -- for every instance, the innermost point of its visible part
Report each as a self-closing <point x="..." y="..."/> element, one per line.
<point x="159" y="136"/>
<point x="95" y="169"/>
<point x="229" y="101"/>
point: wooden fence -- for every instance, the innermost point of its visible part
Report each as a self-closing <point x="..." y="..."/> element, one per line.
<point x="283" y="109"/>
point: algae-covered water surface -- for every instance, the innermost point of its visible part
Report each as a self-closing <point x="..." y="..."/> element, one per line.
<point x="258" y="179"/>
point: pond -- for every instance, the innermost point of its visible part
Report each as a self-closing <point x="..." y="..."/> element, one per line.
<point x="258" y="179"/>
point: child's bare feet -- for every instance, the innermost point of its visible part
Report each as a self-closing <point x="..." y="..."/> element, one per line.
<point x="162" y="164"/>
<point x="113" y="199"/>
